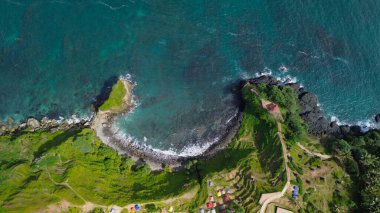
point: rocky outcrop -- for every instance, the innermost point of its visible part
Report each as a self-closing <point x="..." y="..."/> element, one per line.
<point x="45" y="124"/>
<point x="33" y="123"/>
<point x="264" y="79"/>
<point x="377" y="118"/>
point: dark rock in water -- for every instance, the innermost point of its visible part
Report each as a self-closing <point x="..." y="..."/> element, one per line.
<point x="265" y="79"/>
<point x="308" y="102"/>
<point x="355" y="130"/>
<point x="335" y="129"/>
<point x="345" y="129"/>
<point x="297" y="88"/>
<point x="377" y="118"/>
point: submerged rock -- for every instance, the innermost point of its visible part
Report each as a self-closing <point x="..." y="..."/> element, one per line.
<point x="355" y="130"/>
<point x="377" y="118"/>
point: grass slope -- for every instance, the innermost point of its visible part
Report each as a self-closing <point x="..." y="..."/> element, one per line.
<point x="36" y="166"/>
<point x="115" y="100"/>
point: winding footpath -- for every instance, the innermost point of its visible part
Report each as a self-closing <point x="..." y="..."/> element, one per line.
<point x="89" y="206"/>
<point x="270" y="197"/>
<point x="322" y="156"/>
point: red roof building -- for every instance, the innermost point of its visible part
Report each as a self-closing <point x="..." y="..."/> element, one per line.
<point x="272" y="107"/>
<point x="208" y="205"/>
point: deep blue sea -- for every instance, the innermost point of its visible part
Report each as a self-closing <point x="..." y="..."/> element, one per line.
<point x="55" y="57"/>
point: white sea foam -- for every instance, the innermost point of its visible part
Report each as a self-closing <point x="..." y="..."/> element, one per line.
<point x="111" y="7"/>
<point x="365" y="125"/>
<point x="188" y="151"/>
<point x="283" y="68"/>
<point x="335" y="119"/>
<point x="287" y="79"/>
<point x="266" y="71"/>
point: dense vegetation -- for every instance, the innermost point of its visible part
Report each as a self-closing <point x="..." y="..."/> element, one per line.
<point x="360" y="155"/>
<point x="295" y="128"/>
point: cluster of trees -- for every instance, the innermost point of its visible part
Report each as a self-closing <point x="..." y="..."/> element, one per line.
<point x="286" y="98"/>
<point x="361" y="156"/>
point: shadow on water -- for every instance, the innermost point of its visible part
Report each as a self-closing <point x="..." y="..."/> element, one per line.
<point x="104" y="92"/>
<point x="235" y="89"/>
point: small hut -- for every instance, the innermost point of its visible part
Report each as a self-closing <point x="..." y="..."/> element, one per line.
<point x="132" y="210"/>
<point x="137" y="207"/>
<point x="228" y="191"/>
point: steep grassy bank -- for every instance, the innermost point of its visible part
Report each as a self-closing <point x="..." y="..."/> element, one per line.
<point x="35" y="168"/>
<point x="115" y="100"/>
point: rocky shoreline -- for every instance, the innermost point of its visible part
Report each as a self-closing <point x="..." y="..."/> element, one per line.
<point x="312" y="114"/>
<point x="102" y="124"/>
<point x="45" y="124"/>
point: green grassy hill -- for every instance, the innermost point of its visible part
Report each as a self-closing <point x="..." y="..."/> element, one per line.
<point x="36" y="169"/>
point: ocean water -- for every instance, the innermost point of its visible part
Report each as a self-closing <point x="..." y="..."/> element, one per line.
<point x="55" y="56"/>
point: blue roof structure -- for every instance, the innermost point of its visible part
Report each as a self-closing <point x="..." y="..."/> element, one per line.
<point x="137" y="207"/>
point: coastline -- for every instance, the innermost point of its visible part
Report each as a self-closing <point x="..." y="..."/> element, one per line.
<point x="312" y="114"/>
<point x="102" y="124"/>
<point x="103" y="121"/>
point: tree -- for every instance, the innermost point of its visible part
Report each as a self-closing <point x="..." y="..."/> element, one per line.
<point x="342" y="147"/>
<point x="277" y="96"/>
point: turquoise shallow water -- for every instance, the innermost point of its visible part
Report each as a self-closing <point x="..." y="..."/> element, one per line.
<point x="56" y="55"/>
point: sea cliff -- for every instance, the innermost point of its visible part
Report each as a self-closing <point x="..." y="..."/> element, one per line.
<point x="311" y="113"/>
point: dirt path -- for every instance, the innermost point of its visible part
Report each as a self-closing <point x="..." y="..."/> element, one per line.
<point x="66" y="185"/>
<point x="270" y="197"/>
<point x="88" y="206"/>
<point x="322" y="156"/>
